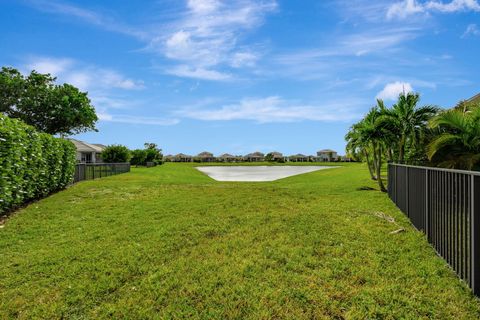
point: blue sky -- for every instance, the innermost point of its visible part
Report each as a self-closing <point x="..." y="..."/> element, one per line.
<point x="240" y="76"/>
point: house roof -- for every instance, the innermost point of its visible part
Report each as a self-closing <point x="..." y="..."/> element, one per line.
<point x="205" y="154"/>
<point x="82" y="146"/>
<point x="327" y="150"/>
<point x="474" y="99"/>
<point x="298" y="155"/>
<point x="227" y="155"/>
<point x="256" y="154"/>
<point x="182" y="155"/>
<point x="276" y="154"/>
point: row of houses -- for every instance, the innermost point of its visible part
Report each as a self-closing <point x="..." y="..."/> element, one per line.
<point x="325" y="155"/>
<point x="92" y="153"/>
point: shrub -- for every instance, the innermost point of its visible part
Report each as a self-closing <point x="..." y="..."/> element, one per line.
<point x="32" y="164"/>
<point x="116" y="154"/>
<point x="139" y="157"/>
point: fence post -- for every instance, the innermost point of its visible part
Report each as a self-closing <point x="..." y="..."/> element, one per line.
<point x="396" y="185"/>
<point x="407" y="190"/>
<point x="427" y="205"/>
<point x="475" y="234"/>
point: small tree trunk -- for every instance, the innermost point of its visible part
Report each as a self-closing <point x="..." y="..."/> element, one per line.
<point x="401" y="149"/>
<point x="390" y="154"/>
<point x="370" y="169"/>
<point x="379" y="169"/>
<point x="374" y="161"/>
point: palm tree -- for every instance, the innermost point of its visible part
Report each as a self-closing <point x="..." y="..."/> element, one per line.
<point x="368" y="135"/>
<point x="406" y="121"/>
<point x="458" y="143"/>
<point x="357" y="145"/>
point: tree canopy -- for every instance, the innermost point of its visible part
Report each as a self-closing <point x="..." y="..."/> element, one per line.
<point x="116" y="154"/>
<point x="52" y="108"/>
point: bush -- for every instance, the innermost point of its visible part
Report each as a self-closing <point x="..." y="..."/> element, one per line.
<point x="32" y="164"/>
<point x="139" y="157"/>
<point x="151" y="154"/>
<point x="116" y="154"/>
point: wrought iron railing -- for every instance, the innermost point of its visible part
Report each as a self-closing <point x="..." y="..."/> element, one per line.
<point x="445" y="205"/>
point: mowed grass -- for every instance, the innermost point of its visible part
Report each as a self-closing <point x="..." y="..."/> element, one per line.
<point x="171" y="243"/>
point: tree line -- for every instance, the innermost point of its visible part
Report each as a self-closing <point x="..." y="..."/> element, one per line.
<point x="421" y="135"/>
<point x="138" y="157"/>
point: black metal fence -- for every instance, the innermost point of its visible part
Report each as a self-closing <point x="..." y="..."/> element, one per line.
<point x="445" y="205"/>
<point x="89" y="171"/>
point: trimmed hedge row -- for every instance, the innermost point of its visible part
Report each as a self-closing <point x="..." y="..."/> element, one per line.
<point x="32" y="164"/>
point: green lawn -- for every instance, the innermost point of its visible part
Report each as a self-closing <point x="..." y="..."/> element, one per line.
<point x="169" y="242"/>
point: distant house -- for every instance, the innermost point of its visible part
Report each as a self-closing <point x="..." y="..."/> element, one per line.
<point x="183" y="158"/>
<point x="88" y="152"/>
<point x="474" y="99"/>
<point x="327" y="155"/>
<point x="206" y="157"/>
<point x="277" y="156"/>
<point x="169" y="158"/>
<point x="254" y="157"/>
<point x="298" y="158"/>
<point x="226" y="157"/>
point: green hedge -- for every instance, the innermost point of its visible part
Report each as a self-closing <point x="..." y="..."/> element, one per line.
<point x="32" y="164"/>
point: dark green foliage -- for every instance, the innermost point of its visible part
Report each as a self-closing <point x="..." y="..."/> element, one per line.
<point x="139" y="157"/>
<point x="153" y="153"/>
<point x="116" y="154"/>
<point x="457" y="143"/>
<point x="50" y="108"/>
<point x="32" y="164"/>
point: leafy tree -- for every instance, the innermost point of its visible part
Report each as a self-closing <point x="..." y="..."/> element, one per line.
<point x="370" y="137"/>
<point x="153" y="153"/>
<point x="139" y="157"/>
<point x="116" y="154"/>
<point x="269" y="157"/>
<point x="38" y="101"/>
<point x="151" y="145"/>
<point x="406" y="122"/>
<point x="457" y="144"/>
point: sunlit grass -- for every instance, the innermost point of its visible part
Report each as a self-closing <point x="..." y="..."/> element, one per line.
<point x="169" y="242"/>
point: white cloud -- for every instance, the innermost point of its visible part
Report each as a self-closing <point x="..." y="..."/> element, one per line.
<point x="81" y="75"/>
<point x="198" y="73"/>
<point x="122" y="118"/>
<point x="206" y="37"/>
<point x="453" y="6"/>
<point x="49" y="65"/>
<point x="243" y="59"/>
<point x="102" y="85"/>
<point x="393" y="90"/>
<point x="91" y="17"/>
<point x="274" y="109"/>
<point x="472" y="29"/>
<point x="405" y="8"/>
<point x="203" y="6"/>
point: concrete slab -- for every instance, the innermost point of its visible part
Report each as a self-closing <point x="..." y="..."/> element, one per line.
<point x="257" y="173"/>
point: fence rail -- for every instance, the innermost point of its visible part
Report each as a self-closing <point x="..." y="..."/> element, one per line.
<point x="445" y="205"/>
<point x="89" y="171"/>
